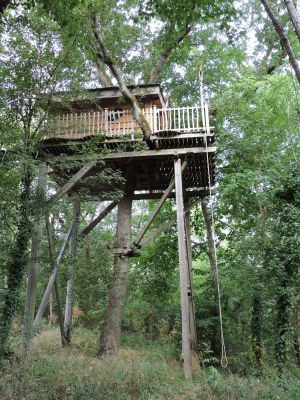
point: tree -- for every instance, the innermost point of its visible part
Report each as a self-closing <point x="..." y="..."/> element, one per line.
<point x="284" y="41"/>
<point x="32" y="62"/>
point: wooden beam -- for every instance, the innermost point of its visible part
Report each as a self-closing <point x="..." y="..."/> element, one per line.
<point x="71" y="182"/>
<point x="51" y="244"/>
<point x="191" y="287"/>
<point x="201" y="192"/>
<point x="162" y="228"/>
<point x="183" y="272"/>
<point x="71" y="274"/>
<point x="51" y="281"/>
<point x="98" y="219"/>
<point x="157" y="208"/>
<point x="134" y="154"/>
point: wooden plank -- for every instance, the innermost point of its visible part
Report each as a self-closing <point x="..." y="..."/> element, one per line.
<point x="200" y="192"/>
<point x="71" y="182"/>
<point x="191" y="286"/>
<point x="51" y="281"/>
<point x="71" y="274"/>
<point x="49" y="230"/>
<point x="183" y="272"/>
<point x="181" y="136"/>
<point x="134" y="154"/>
<point x="98" y="219"/>
<point x="156" y="210"/>
<point x="162" y="228"/>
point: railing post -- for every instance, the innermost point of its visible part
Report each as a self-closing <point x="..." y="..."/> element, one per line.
<point x="154" y="119"/>
<point x="132" y="125"/>
<point x="106" y="120"/>
<point x="207" y="119"/>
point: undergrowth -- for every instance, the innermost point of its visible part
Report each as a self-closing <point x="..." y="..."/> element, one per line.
<point x="144" y="371"/>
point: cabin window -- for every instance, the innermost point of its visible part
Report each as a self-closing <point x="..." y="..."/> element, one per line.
<point x="115" y="114"/>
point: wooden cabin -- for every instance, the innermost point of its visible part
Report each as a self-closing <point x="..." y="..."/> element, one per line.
<point x="104" y="113"/>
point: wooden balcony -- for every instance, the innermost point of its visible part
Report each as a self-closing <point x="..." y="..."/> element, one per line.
<point x="115" y="124"/>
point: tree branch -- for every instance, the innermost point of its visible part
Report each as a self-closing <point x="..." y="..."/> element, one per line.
<point x="164" y="56"/>
<point x="104" y="56"/>
<point x="293" y="16"/>
<point x="102" y="75"/>
<point x="284" y="41"/>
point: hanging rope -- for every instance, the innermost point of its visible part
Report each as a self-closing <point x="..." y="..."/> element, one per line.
<point x="205" y="119"/>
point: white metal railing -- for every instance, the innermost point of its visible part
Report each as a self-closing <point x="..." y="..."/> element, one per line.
<point x="118" y="123"/>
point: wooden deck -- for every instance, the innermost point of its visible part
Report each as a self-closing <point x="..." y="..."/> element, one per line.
<point x="148" y="167"/>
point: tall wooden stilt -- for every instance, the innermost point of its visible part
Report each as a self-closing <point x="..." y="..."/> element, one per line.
<point x="183" y="270"/>
<point x="191" y="287"/>
<point x="45" y="299"/>
<point x="69" y="295"/>
<point x="33" y="266"/>
<point x="111" y="332"/>
<point x="50" y="234"/>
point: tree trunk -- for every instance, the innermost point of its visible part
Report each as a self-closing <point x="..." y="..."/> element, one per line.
<point x="284" y="41"/>
<point x="256" y="331"/>
<point x="110" y="335"/>
<point x="293" y="16"/>
<point x="163" y="58"/>
<point x="33" y="266"/>
<point x="282" y="325"/>
<point x="104" y="56"/>
<point x="296" y="342"/>
<point x="16" y="264"/>
<point x="69" y="295"/>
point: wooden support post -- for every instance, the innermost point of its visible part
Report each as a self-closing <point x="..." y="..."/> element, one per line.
<point x="183" y="271"/>
<point x="111" y="332"/>
<point x="56" y="287"/>
<point x="51" y="281"/>
<point x="157" y="209"/>
<point x="98" y="219"/>
<point x="71" y="182"/>
<point x="191" y="288"/>
<point x="69" y="295"/>
<point x="33" y="266"/>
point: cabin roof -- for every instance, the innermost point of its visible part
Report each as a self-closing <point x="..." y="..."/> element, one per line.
<point x="152" y="90"/>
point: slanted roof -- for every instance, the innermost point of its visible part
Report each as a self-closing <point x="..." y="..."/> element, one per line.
<point x="151" y="91"/>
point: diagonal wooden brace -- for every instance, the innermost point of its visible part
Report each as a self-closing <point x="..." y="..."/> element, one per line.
<point x="71" y="182"/>
<point x="45" y="299"/>
<point x="156" y="209"/>
<point x="162" y="228"/>
<point x="98" y="219"/>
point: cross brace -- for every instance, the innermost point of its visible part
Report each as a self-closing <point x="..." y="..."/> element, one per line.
<point x="98" y="219"/>
<point x="71" y="182"/>
<point x="156" y="210"/>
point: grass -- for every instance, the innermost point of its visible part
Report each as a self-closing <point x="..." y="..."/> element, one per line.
<point x="145" y="372"/>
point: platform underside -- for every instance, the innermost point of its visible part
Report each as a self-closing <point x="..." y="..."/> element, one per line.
<point x="146" y="173"/>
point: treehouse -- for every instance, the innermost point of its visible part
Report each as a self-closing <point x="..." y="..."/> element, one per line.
<point x="89" y="139"/>
<point x="107" y="118"/>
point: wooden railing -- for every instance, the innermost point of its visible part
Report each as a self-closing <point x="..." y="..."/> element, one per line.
<point x="121" y="122"/>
